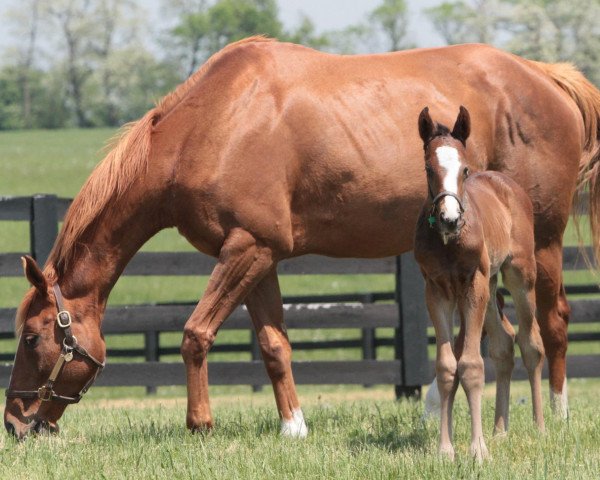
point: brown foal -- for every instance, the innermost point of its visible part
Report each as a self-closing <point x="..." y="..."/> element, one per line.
<point x="471" y="228"/>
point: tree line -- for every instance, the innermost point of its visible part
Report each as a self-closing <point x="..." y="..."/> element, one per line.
<point x="87" y="63"/>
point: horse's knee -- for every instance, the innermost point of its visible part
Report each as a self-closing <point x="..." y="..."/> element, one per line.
<point x="531" y="345"/>
<point x="445" y="372"/>
<point x="196" y="344"/>
<point x="277" y="357"/>
<point x="503" y="354"/>
<point x="471" y="371"/>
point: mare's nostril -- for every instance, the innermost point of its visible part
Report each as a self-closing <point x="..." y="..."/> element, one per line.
<point x="10" y="428"/>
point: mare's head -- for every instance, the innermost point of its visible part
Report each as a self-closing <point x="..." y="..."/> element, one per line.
<point x="58" y="356"/>
<point x="446" y="170"/>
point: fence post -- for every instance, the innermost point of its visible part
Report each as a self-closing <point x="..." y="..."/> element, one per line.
<point x="43" y="227"/>
<point x="411" y="334"/>
<point x="151" y="346"/>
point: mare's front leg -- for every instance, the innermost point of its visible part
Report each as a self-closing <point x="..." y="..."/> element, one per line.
<point x="502" y="352"/>
<point x="441" y="309"/>
<point x="472" y="307"/>
<point x="242" y="263"/>
<point x="266" y="309"/>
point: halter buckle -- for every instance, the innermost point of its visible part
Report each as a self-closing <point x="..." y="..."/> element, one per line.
<point x="45" y="393"/>
<point x="63" y="318"/>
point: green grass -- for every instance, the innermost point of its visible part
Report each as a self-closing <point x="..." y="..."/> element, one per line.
<point x="353" y="435"/>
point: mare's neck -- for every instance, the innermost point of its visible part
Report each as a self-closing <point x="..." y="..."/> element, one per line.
<point x="107" y="246"/>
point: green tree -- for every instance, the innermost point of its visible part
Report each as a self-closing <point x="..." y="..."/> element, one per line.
<point x="306" y="34"/>
<point x="461" y="21"/>
<point x="391" y="18"/>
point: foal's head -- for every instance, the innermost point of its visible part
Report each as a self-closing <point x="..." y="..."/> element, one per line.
<point x="446" y="170"/>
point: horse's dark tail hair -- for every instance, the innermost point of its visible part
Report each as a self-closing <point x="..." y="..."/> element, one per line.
<point x="587" y="98"/>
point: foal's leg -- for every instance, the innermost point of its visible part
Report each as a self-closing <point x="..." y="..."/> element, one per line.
<point x="472" y="309"/>
<point x="502" y="352"/>
<point x="242" y="263"/>
<point x="441" y="310"/>
<point x="519" y="278"/>
<point x="553" y="316"/>
<point x="265" y="307"/>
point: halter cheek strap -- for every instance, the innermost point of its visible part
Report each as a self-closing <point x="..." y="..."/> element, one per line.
<point x="70" y="346"/>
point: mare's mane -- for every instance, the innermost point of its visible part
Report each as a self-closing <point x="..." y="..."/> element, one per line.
<point x="125" y="163"/>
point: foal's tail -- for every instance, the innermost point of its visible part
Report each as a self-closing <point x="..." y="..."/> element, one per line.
<point x="587" y="98"/>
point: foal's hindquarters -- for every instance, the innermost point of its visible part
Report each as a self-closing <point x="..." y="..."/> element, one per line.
<point x="461" y="274"/>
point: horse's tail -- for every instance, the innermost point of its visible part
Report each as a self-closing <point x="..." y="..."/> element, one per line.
<point x="587" y="98"/>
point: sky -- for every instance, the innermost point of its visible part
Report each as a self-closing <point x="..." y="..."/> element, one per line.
<point x="326" y="15"/>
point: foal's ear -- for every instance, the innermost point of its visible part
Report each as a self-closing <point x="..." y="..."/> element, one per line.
<point x="462" y="126"/>
<point x="34" y="274"/>
<point x="426" y="126"/>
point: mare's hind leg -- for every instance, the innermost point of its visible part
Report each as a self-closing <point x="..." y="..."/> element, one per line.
<point x="553" y="317"/>
<point x="441" y="310"/>
<point x="265" y="307"/>
<point x="242" y="263"/>
<point x="519" y="277"/>
<point x="472" y="308"/>
<point x="502" y="352"/>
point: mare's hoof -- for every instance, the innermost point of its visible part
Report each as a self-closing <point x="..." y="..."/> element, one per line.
<point x="294" y="427"/>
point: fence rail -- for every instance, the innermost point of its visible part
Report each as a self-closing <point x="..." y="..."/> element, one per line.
<point x="402" y="310"/>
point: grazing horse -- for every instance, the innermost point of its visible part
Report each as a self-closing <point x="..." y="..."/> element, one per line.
<point x="272" y="150"/>
<point x="472" y="227"/>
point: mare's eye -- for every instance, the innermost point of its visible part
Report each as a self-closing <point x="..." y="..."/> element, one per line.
<point x="31" y="341"/>
<point x="466" y="172"/>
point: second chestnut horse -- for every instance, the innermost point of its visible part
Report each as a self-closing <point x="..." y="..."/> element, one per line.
<point x="471" y="229"/>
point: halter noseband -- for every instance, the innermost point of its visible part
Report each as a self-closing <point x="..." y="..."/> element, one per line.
<point x="437" y="199"/>
<point x="70" y="345"/>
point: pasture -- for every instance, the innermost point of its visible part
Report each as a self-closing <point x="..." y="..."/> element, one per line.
<point x="354" y="432"/>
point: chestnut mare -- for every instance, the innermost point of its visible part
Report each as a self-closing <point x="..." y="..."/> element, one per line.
<point x="472" y="227"/>
<point x="273" y="150"/>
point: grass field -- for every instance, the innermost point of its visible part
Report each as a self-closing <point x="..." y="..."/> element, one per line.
<point x="355" y="432"/>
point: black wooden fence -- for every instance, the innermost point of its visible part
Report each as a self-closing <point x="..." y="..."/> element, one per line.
<point x="402" y="309"/>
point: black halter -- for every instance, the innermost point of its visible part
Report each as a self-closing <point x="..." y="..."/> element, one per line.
<point x="438" y="198"/>
<point x="70" y="345"/>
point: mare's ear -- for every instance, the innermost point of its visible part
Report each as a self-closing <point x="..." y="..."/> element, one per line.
<point x="426" y="126"/>
<point x="34" y="274"/>
<point x="462" y="126"/>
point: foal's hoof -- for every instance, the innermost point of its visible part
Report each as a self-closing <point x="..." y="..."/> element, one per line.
<point x="479" y="451"/>
<point x="447" y="452"/>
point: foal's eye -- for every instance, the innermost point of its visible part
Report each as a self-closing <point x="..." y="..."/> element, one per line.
<point x="428" y="171"/>
<point x="466" y="172"/>
<point x="31" y="341"/>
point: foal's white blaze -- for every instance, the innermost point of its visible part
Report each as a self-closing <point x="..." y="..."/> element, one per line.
<point x="449" y="161"/>
<point x="294" y="427"/>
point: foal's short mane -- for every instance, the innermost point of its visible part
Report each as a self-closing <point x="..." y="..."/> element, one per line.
<point x="126" y="162"/>
<point x="440" y="131"/>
